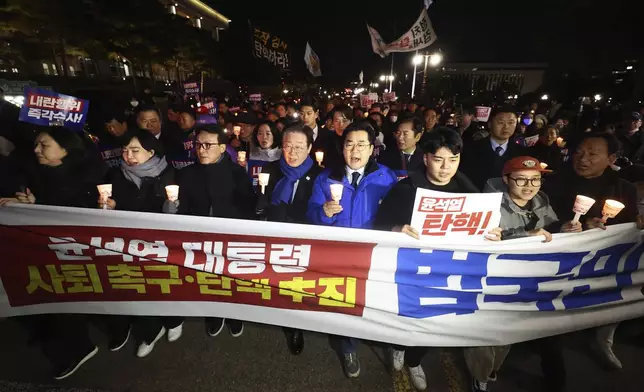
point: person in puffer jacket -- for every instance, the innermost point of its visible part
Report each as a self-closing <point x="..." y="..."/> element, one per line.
<point x="364" y="184"/>
<point x="525" y="211"/>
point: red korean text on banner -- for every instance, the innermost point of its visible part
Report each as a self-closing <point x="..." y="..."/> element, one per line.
<point x="70" y="264"/>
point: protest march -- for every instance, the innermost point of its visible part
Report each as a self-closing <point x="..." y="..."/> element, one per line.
<point x="409" y="221"/>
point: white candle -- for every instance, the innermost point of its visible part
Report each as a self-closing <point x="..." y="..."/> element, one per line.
<point x="581" y="206"/>
<point x="611" y="209"/>
<point x="336" y="191"/>
<point x="172" y="192"/>
<point x="263" y="180"/>
<point x="104" y="193"/>
<point x="319" y="157"/>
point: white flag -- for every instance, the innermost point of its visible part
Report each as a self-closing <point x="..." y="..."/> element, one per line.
<point x="361" y="77"/>
<point x="420" y="36"/>
<point x="428" y="3"/>
<point x="312" y="61"/>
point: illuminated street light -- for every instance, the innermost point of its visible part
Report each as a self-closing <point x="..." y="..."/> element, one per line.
<point x="435" y="59"/>
<point x="544" y="97"/>
<point x="417" y="60"/>
<point x="598" y="97"/>
<point x="629" y="67"/>
<point x="285" y="91"/>
<point x="382" y="78"/>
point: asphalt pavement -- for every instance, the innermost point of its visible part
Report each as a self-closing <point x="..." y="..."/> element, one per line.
<point x="259" y="360"/>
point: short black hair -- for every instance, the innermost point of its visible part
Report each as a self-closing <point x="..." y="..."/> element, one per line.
<point x="214" y="129"/>
<point x="300" y="128"/>
<point x="115" y="113"/>
<point x="611" y="140"/>
<point x="147" y="140"/>
<point x="428" y="109"/>
<point x="291" y="105"/>
<point x="274" y="132"/>
<point x="543" y="132"/>
<point x="503" y="109"/>
<point x="417" y="125"/>
<point x="147" y="108"/>
<point x="222" y="102"/>
<point x="469" y="110"/>
<point x="376" y="105"/>
<point x="310" y="102"/>
<point x="280" y="104"/>
<point x="443" y="137"/>
<point x="360" y="126"/>
<point x="346" y="111"/>
<point x="187" y="109"/>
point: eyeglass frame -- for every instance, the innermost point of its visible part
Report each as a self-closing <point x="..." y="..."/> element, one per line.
<point x="355" y="145"/>
<point x="528" y="181"/>
<point x="289" y="148"/>
<point x="199" y="145"/>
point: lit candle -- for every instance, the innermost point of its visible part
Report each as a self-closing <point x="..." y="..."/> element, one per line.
<point x="543" y="165"/>
<point x="581" y="207"/>
<point x="611" y="209"/>
<point x="319" y="157"/>
<point x="560" y="141"/>
<point x="336" y="191"/>
<point x="104" y="193"/>
<point x="236" y="130"/>
<point x="263" y="180"/>
<point x="172" y="191"/>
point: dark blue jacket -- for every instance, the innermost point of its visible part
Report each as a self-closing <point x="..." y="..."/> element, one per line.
<point x="359" y="205"/>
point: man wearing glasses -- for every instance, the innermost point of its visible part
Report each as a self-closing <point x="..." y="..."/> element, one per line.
<point x="364" y="184"/>
<point x="525" y="211"/>
<point x="217" y="187"/>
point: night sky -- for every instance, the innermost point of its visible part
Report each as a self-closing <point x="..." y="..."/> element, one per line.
<point x="581" y="34"/>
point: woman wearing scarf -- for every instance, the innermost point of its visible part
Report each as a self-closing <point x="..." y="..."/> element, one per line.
<point x="286" y="197"/>
<point x="62" y="174"/>
<point x="139" y="185"/>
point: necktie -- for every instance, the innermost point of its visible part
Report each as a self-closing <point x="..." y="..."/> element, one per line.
<point x="499" y="150"/>
<point x="355" y="176"/>
<point x="405" y="161"/>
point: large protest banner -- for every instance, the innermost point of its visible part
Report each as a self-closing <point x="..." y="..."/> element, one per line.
<point x="368" y="284"/>
<point x="270" y="47"/>
<point x="419" y="36"/>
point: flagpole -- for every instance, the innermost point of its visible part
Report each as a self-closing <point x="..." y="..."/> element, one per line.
<point x="413" y="80"/>
<point x="391" y="73"/>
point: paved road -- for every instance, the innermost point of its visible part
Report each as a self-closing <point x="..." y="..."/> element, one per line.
<point x="260" y="361"/>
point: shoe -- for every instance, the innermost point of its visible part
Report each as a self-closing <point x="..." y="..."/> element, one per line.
<point x="75" y="365"/>
<point x="478" y="386"/>
<point x="398" y="359"/>
<point x="418" y="379"/>
<point x="295" y="341"/>
<point x="175" y="333"/>
<point x="214" y="326"/>
<point x="145" y="349"/>
<point x="351" y="365"/>
<point x="235" y="328"/>
<point x="605" y="353"/>
<point x="117" y="343"/>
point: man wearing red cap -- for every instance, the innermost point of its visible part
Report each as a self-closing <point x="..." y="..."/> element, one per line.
<point x="525" y="211"/>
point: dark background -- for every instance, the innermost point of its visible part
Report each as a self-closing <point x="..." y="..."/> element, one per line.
<point x="585" y="36"/>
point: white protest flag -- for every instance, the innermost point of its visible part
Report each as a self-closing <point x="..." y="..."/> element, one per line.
<point x="312" y="61"/>
<point x="420" y="36"/>
<point x="428" y="3"/>
<point x="361" y="77"/>
<point x="377" y="43"/>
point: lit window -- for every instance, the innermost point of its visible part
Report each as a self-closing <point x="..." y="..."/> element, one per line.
<point x="45" y="68"/>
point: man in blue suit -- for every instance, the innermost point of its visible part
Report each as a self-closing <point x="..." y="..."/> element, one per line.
<point x="365" y="183"/>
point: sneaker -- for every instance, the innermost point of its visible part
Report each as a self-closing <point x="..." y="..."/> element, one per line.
<point x="351" y="365"/>
<point x="214" y="326"/>
<point x="605" y="353"/>
<point x="235" y="328"/>
<point x="75" y="365"/>
<point x="145" y="349"/>
<point x="398" y="359"/>
<point x="116" y="343"/>
<point x="295" y="341"/>
<point x="175" y="333"/>
<point x="418" y="379"/>
<point x="478" y="386"/>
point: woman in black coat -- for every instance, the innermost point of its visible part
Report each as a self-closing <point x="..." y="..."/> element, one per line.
<point x="60" y="175"/>
<point x="138" y="184"/>
<point x="286" y="197"/>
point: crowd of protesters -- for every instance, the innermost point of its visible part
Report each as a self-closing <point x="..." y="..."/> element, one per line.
<point x="380" y="155"/>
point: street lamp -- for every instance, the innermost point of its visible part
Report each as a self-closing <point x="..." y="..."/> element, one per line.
<point x="285" y="91"/>
<point x="383" y="78"/>
<point x="417" y="59"/>
<point x="435" y="59"/>
<point x="598" y="97"/>
<point x="544" y="97"/>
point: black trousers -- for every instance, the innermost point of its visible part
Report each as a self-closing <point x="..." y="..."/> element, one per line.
<point x="149" y="327"/>
<point x="63" y="338"/>
<point x="552" y="362"/>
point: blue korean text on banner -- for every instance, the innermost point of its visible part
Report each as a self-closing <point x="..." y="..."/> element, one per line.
<point x="254" y="168"/>
<point x="46" y="108"/>
<point x="439" y="282"/>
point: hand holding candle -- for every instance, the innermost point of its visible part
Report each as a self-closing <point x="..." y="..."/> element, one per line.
<point x="237" y="130"/>
<point x="611" y="209"/>
<point x="104" y="193"/>
<point x="319" y="157"/>
<point x="241" y="157"/>
<point x="560" y="142"/>
<point x="336" y="192"/>
<point x="263" y="180"/>
<point x="172" y="192"/>
<point x="581" y="207"/>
